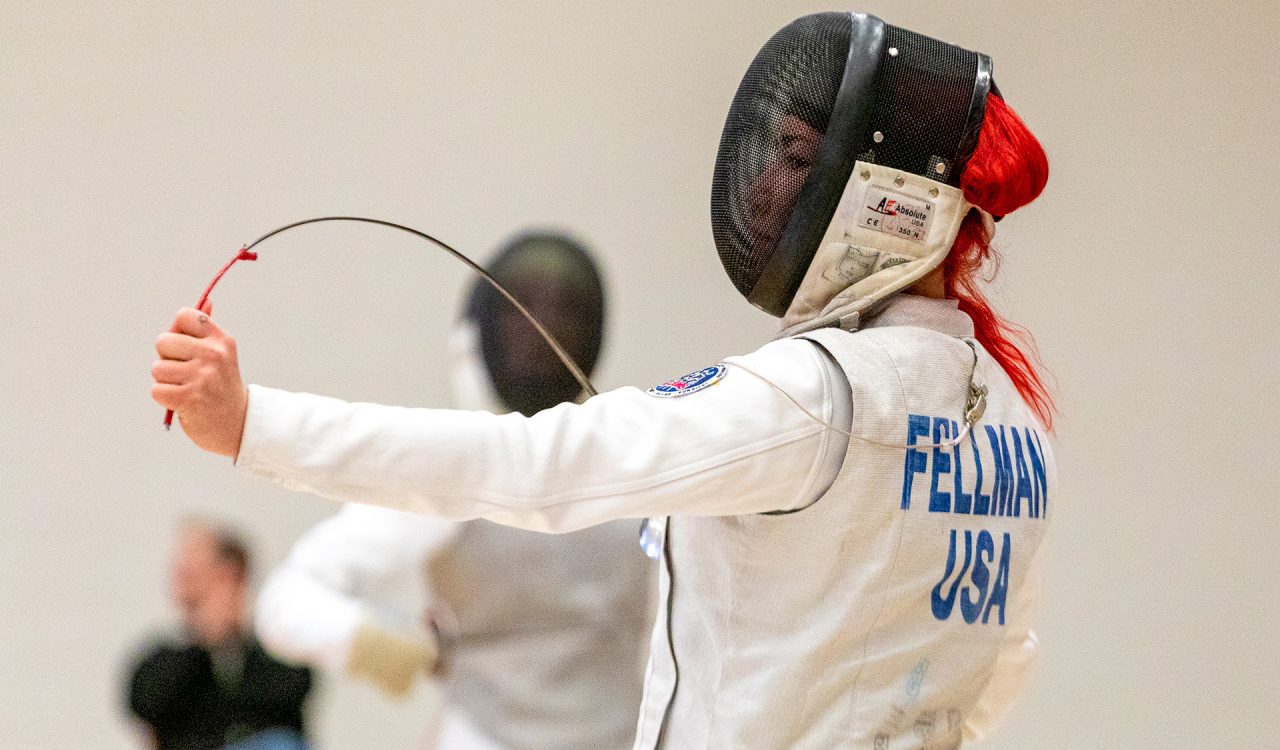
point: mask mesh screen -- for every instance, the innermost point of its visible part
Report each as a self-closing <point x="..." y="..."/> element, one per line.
<point x="557" y="280"/>
<point x="771" y="137"/>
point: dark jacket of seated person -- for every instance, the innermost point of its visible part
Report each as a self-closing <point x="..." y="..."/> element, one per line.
<point x="214" y="685"/>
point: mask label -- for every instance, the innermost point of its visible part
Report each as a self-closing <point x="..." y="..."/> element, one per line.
<point x="691" y="383"/>
<point x="857" y="263"/>
<point x="896" y="214"/>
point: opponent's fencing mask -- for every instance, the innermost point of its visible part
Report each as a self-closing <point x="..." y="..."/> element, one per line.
<point x="840" y="162"/>
<point x="555" y="278"/>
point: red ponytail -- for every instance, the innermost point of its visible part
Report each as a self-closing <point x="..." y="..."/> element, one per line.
<point x="1008" y="170"/>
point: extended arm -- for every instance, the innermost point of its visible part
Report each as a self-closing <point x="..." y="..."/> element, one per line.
<point x="736" y="447"/>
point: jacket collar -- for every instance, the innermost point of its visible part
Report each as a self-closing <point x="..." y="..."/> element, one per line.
<point x="941" y="315"/>
<point x="901" y="309"/>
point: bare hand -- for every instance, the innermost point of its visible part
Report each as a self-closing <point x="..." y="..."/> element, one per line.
<point x="198" y="377"/>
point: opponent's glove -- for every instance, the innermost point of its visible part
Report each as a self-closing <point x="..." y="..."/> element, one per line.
<point x="391" y="661"/>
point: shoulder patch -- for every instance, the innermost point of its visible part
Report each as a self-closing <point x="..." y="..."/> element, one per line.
<point x="691" y="383"/>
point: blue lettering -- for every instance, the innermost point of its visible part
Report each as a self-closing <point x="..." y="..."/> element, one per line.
<point x="963" y="500"/>
<point x="1000" y="589"/>
<point x="981" y="577"/>
<point x="981" y="502"/>
<point x="1038" y="473"/>
<point x="1002" y="493"/>
<point x="940" y="502"/>
<point x="1021" y="469"/>
<point x="1024" y="477"/>
<point x="942" y="606"/>
<point x="916" y="462"/>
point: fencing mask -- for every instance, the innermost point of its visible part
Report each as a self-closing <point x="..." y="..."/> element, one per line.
<point x="839" y="165"/>
<point x="555" y="277"/>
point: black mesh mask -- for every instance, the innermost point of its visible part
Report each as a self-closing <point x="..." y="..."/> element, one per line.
<point x="555" y="278"/>
<point x="826" y="91"/>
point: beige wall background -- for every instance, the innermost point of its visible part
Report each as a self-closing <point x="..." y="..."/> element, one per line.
<point x="142" y="142"/>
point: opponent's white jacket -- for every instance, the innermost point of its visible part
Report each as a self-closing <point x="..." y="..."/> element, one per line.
<point x="540" y="638"/>
<point x="882" y="615"/>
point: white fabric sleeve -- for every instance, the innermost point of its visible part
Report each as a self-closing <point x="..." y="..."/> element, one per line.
<point x="458" y="731"/>
<point x="313" y="604"/>
<point x="1015" y="661"/>
<point x="736" y="447"/>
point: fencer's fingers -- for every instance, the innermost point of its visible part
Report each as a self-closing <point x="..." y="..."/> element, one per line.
<point x="173" y="397"/>
<point x="207" y="307"/>
<point x="172" y="372"/>
<point x="195" y="323"/>
<point x="177" y="346"/>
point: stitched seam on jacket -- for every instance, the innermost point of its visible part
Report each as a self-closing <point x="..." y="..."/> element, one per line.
<point x="888" y="579"/>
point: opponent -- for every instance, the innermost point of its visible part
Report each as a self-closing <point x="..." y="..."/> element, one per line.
<point x="538" y="640"/>
<point x="853" y="511"/>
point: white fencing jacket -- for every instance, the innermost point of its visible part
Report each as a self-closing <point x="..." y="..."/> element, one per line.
<point x="728" y="452"/>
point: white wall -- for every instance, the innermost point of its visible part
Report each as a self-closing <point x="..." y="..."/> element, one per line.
<point x="141" y="143"/>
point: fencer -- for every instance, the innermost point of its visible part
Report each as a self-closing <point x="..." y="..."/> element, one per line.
<point x="538" y="640"/>
<point x="849" y="519"/>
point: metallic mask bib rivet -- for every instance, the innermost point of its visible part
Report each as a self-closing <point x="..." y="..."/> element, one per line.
<point x="899" y="181"/>
<point x="877" y="136"/>
<point x="893" y="52"/>
<point x="933" y="192"/>
<point x="866" y="175"/>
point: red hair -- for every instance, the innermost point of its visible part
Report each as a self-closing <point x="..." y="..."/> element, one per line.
<point x="1008" y="170"/>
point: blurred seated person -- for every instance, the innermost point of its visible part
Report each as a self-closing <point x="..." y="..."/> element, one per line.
<point x="212" y="685"/>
